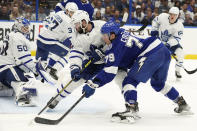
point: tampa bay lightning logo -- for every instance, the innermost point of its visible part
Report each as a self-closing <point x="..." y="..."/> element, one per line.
<point x="165" y="35"/>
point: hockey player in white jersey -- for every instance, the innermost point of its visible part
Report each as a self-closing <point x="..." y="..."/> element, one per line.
<point x="16" y="61"/>
<point x="169" y="29"/>
<point x="56" y="63"/>
<point x="57" y="37"/>
<point x="90" y="46"/>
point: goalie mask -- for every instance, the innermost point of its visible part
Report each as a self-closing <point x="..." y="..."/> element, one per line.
<point x="21" y="25"/>
<point x="71" y="8"/>
<point x="80" y="20"/>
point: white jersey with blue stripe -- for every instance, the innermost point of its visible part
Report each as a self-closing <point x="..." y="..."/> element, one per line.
<point x="168" y="33"/>
<point x="57" y="28"/>
<point x="125" y="49"/>
<point x="15" y="51"/>
<point x="78" y="53"/>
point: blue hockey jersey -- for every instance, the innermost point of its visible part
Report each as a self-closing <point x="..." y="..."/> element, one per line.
<point x="86" y="7"/>
<point x="124" y="51"/>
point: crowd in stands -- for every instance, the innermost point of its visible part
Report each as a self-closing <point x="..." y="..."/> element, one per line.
<point x="142" y="10"/>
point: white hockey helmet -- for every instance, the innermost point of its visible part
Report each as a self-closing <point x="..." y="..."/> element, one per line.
<point x="22" y="25"/>
<point x="174" y="10"/>
<point x="71" y="6"/>
<point x="78" y="17"/>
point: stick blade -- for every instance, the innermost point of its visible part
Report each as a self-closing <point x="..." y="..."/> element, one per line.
<point x="191" y="72"/>
<point x="45" y="121"/>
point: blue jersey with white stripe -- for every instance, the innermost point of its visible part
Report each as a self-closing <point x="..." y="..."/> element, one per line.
<point x="125" y="49"/>
<point x="81" y="6"/>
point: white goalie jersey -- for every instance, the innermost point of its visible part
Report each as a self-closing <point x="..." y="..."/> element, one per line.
<point x="78" y="53"/>
<point x="168" y="33"/>
<point x="15" y="51"/>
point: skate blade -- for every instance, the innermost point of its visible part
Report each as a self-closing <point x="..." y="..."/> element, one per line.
<point x="21" y="104"/>
<point x="128" y="120"/>
<point x="183" y="113"/>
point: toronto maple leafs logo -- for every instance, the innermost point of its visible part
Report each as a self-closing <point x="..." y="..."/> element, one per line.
<point x="165" y="35"/>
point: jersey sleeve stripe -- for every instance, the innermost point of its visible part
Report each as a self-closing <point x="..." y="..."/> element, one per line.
<point x="24" y="56"/>
<point x="75" y="51"/>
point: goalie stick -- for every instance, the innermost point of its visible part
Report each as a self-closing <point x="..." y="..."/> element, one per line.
<point x="188" y="72"/>
<point x="53" y="98"/>
<point x="55" y="122"/>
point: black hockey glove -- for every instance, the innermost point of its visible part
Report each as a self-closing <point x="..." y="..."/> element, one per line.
<point x="96" y="53"/>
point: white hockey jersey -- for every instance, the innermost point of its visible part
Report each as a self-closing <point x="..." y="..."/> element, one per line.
<point x="78" y="53"/>
<point x="15" y="51"/>
<point x="168" y="33"/>
<point x="57" y="28"/>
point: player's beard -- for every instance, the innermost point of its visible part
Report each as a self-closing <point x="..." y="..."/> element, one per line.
<point x="80" y="31"/>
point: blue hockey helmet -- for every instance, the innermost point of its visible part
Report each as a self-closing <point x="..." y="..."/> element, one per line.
<point x="22" y="25"/>
<point x="110" y="27"/>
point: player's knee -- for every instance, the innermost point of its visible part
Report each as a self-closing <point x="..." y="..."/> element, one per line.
<point x="157" y="86"/>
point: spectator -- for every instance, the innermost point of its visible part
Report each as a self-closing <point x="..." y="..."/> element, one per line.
<point x="138" y="13"/>
<point x="184" y="11"/>
<point x="98" y="15"/>
<point x="4" y="13"/>
<point x="156" y="12"/>
<point x="121" y="5"/>
<point x="28" y="14"/>
<point x="93" y="3"/>
<point x="42" y="15"/>
<point x="99" y="7"/>
<point x="116" y="18"/>
<point x="27" y="2"/>
<point x="14" y="13"/>
<point x="112" y="11"/>
<point x="133" y="19"/>
<point x="191" y="6"/>
<point x="163" y="8"/>
<point x="108" y="3"/>
<point x="149" y="17"/>
<point x="195" y="20"/>
<point x="107" y="16"/>
<point x="177" y="4"/>
<point x="188" y="20"/>
<point x="44" y="4"/>
<point x="150" y="5"/>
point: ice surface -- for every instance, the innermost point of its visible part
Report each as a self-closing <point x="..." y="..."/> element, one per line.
<point x="94" y="113"/>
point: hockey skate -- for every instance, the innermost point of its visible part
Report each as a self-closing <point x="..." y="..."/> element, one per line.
<point x="53" y="104"/>
<point x="53" y="73"/>
<point x="24" y="100"/>
<point x="128" y="116"/>
<point x="178" y="76"/>
<point x="183" y="107"/>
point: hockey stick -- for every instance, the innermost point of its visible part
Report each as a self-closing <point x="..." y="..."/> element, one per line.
<point x="189" y="72"/>
<point x="53" y="98"/>
<point x="55" y="122"/>
<point x="145" y="24"/>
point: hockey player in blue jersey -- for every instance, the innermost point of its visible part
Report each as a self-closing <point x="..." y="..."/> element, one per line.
<point x="145" y="59"/>
<point x="82" y="5"/>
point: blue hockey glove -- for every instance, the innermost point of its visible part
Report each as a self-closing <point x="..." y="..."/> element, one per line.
<point x="96" y="53"/>
<point x="154" y="33"/>
<point x="67" y="43"/>
<point x="75" y="72"/>
<point x="89" y="88"/>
